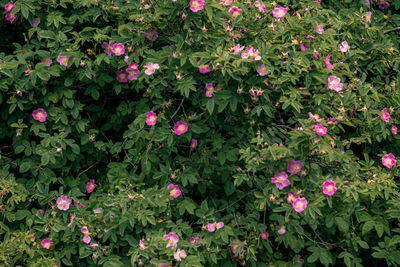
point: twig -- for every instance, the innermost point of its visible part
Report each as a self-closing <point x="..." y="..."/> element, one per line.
<point x="392" y="30"/>
<point x="91" y="166"/>
<point x="176" y="111"/>
<point x="233" y="203"/>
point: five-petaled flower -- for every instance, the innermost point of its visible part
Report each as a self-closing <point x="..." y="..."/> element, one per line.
<point x="47" y="243"/>
<point x="63" y="202"/>
<point x="39" y="115"/>
<point x="299" y="204"/>
<point x="335" y="84"/>
<point x="279" y="12"/>
<point x="172" y="238"/>
<point x="90" y="186"/>
<point x="180" y="254"/>
<point x="385" y="116"/>
<point x="212" y="226"/>
<point x="118" y="49"/>
<point x="294" y="167"/>
<point x="389" y="160"/>
<point x="329" y="187"/>
<point x="344" y="46"/>
<point x="151" y="118"/>
<point x="180" y="127"/>
<point x="320" y="129"/>
<point x="63" y="60"/>
<point x="280" y="180"/>
<point x="175" y="192"/>
<point x="196" y="5"/>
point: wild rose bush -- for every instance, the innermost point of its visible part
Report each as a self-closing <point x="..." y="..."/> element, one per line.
<point x="199" y="133"/>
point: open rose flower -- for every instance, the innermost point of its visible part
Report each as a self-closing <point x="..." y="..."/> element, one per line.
<point x="122" y="76"/>
<point x="335" y="84"/>
<point x="63" y="60"/>
<point x="180" y="254"/>
<point x="151" y="118"/>
<point x="47" y="243"/>
<point x="264" y="235"/>
<point x="108" y="47"/>
<point x="90" y="186"/>
<point x="172" y="238"/>
<point x="196" y="5"/>
<point x="180" y="127"/>
<point x="9" y="6"/>
<point x="294" y="167"/>
<point x="385" y="116"/>
<point x="212" y="226"/>
<point x="63" y="202"/>
<point x="205" y="68"/>
<point x="175" y="192"/>
<point x="236" y="49"/>
<point x="299" y="204"/>
<point x="389" y="160"/>
<point x="279" y="12"/>
<point x="118" y="49"/>
<point x="47" y="61"/>
<point x="151" y="68"/>
<point x="262" y="70"/>
<point x="320" y="130"/>
<point x="39" y="115"/>
<point x="344" y="47"/>
<point x="329" y="188"/>
<point x="235" y="11"/>
<point x="280" y="180"/>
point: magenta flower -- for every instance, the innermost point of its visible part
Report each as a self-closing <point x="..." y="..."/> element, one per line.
<point x="388" y="160"/>
<point x="93" y="245"/>
<point x="344" y="46"/>
<point x="303" y="46"/>
<point x="328" y="63"/>
<point x="11" y="17"/>
<point x="264" y="235"/>
<point x="86" y="239"/>
<point x="225" y="2"/>
<point x="316" y="54"/>
<point x="71" y="221"/>
<point x="394" y="129"/>
<point x="262" y="70"/>
<point x="63" y="60"/>
<point x="320" y="29"/>
<point x="35" y="22"/>
<point x="194" y="239"/>
<point x="84" y="230"/>
<point x="329" y="188"/>
<point x="261" y="8"/>
<point x="235" y="11"/>
<point x="299" y="204"/>
<point x="172" y="238"/>
<point x="205" y="68"/>
<point x="180" y="254"/>
<point x="291" y="197"/>
<point x="180" y="127"/>
<point x="151" y="68"/>
<point x="133" y="74"/>
<point x="279" y="12"/>
<point x="282" y="230"/>
<point x="196" y="5"/>
<point x="294" y="167"/>
<point x="151" y="118"/>
<point x="382" y="4"/>
<point x="63" y="202"/>
<point x="209" y="89"/>
<point x="9" y="6"/>
<point x="90" y="186"/>
<point x="118" y="49"/>
<point x="212" y="226"/>
<point x="319" y="129"/>
<point x="47" y="243"/>
<point x="175" y="192"/>
<point x="335" y="84"/>
<point x="47" y="61"/>
<point x="108" y="47"/>
<point x="310" y="37"/>
<point x="141" y="245"/>
<point x="280" y="180"/>
<point x="122" y="76"/>
<point x="193" y="145"/>
<point x="236" y="49"/>
<point x="385" y="116"/>
<point x="39" y="115"/>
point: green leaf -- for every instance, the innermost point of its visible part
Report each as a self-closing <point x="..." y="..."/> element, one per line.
<point x="342" y="224"/>
<point x="210" y="105"/>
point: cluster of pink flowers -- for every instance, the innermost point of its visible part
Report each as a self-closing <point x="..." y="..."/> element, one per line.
<point x="389" y="160"/>
<point x="39" y="115"/>
<point x="9" y="8"/>
<point x="261" y="7"/>
<point x="172" y="238"/>
<point x="175" y="192"/>
<point x="344" y="47"/>
<point x="151" y="118"/>
<point x="196" y="5"/>
<point x="151" y="68"/>
<point x="252" y="53"/>
<point x="63" y="202"/>
<point x="90" y="186"/>
<point x="130" y="74"/>
<point x="212" y="226"/>
<point x="329" y="187"/>
<point x="86" y="235"/>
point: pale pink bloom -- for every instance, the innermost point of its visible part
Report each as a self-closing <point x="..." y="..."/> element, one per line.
<point x="252" y="53"/>
<point x="388" y="160"/>
<point x="299" y="204"/>
<point x="151" y="68"/>
<point x="310" y="37"/>
<point x="291" y="197"/>
<point x="385" y="116"/>
<point x="394" y="129"/>
<point x="193" y="145"/>
<point x="264" y="235"/>
<point x="47" y="61"/>
<point x="35" y="22"/>
<point x="303" y="46"/>
<point x="86" y="239"/>
<point x="282" y="231"/>
<point x="63" y="203"/>
<point x="236" y="49"/>
<point x="315" y="117"/>
<point x="126" y="58"/>
<point x="235" y="11"/>
<point x="47" y="243"/>
<point x="320" y="130"/>
<point x="63" y="60"/>
<point x="84" y="230"/>
<point x="225" y="2"/>
<point x="280" y="180"/>
<point x="180" y="127"/>
<point x="172" y="238"/>
<point x="329" y="188"/>
<point x="141" y="245"/>
<point x="180" y="254"/>
<point x="9" y="6"/>
<point x="93" y="245"/>
<point x="196" y="5"/>
<point x="205" y="68"/>
<point x="151" y="118"/>
<point x="212" y="226"/>
<point x="331" y="121"/>
<point x="294" y="167"/>
<point x="71" y="220"/>
<point x="122" y="76"/>
<point x="209" y="89"/>
<point x="320" y="29"/>
<point x="90" y="186"/>
<point x="335" y="84"/>
<point x="39" y="115"/>
<point x="262" y="70"/>
<point x="344" y="46"/>
<point x="367" y="17"/>
<point x="328" y="64"/>
<point x="175" y="192"/>
<point x="262" y="8"/>
<point x="118" y="49"/>
<point x="279" y="12"/>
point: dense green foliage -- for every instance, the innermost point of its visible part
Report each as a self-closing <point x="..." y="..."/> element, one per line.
<point x="248" y="129"/>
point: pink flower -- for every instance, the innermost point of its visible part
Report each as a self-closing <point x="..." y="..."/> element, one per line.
<point x="108" y="47"/>
<point x="319" y="129"/>
<point x="180" y="127"/>
<point x="90" y="186"/>
<point x="225" y="2"/>
<point x="299" y="204"/>
<point x="303" y="46"/>
<point x="329" y="188"/>
<point x="252" y="53"/>
<point x="291" y="197"/>
<point x="141" y="245"/>
<point x="331" y="121"/>
<point x="282" y="230"/>
<point x="194" y="239"/>
<point x="172" y="238"/>
<point x="11" y="17"/>
<point x="320" y="29"/>
<point x="47" y="243"/>
<point x="175" y="192"/>
<point x="63" y="202"/>
<point x="84" y="230"/>
<point x="203" y="69"/>
<point x="151" y="68"/>
<point x="367" y="17"/>
<point x="385" y="116"/>
<point x="86" y="239"/>
<point x="71" y="220"/>
<point x="344" y="46"/>
<point x="39" y="115"/>
<point x="316" y="54"/>
<point x="388" y="160"/>
<point x="310" y="37"/>
<point x="133" y="74"/>
<point x="180" y="254"/>
<point x="118" y="49"/>
<point x="236" y="246"/>
<point x="151" y="118"/>
<point x="35" y="22"/>
<point x="327" y="63"/>
<point x="264" y="235"/>
<point x="9" y="6"/>
<point x="122" y="76"/>
<point x="262" y="70"/>
<point x="261" y="8"/>
<point x="212" y="226"/>
<point x="294" y="167"/>
<point x="335" y="84"/>
<point x="93" y="245"/>
<point x="98" y="210"/>
<point x="47" y="61"/>
<point x="63" y="60"/>
<point x="209" y="89"/>
<point x="235" y="11"/>
<point x="193" y="145"/>
<point x="280" y="180"/>
<point x="279" y="12"/>
<point x="236" y="49"/>
<point x="394" y="129"/>
<point x="196" y="5"/>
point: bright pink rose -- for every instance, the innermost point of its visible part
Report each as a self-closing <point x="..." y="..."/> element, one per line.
<point x="90" y="186"/>
<point x="47" y="243"/>
<point x="394" y="129"/>
<point x="39" y="115"/>
<point x="264" y="235"/>
<point x="388" y="160"/>
<point x="319" y="129"/>
<point x="279" y="12"/>
<point x="172" y="238"/>
<point x="329" y="188"/>
<point x="294" y="167"/>
<point x="118" y="49"/>
<point x="299" y="204"/>
<point x="328" y="63"/>
<point x="235" y="11"/>
<point x="175" y="192"/>
<point x="385" y="116"/>
<point x="196" y="5"/>
<point x="151" y="118"/>
<point x="180" y="127"/>
<point x="280" y="180"/>
<point x="205" y="68"/>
